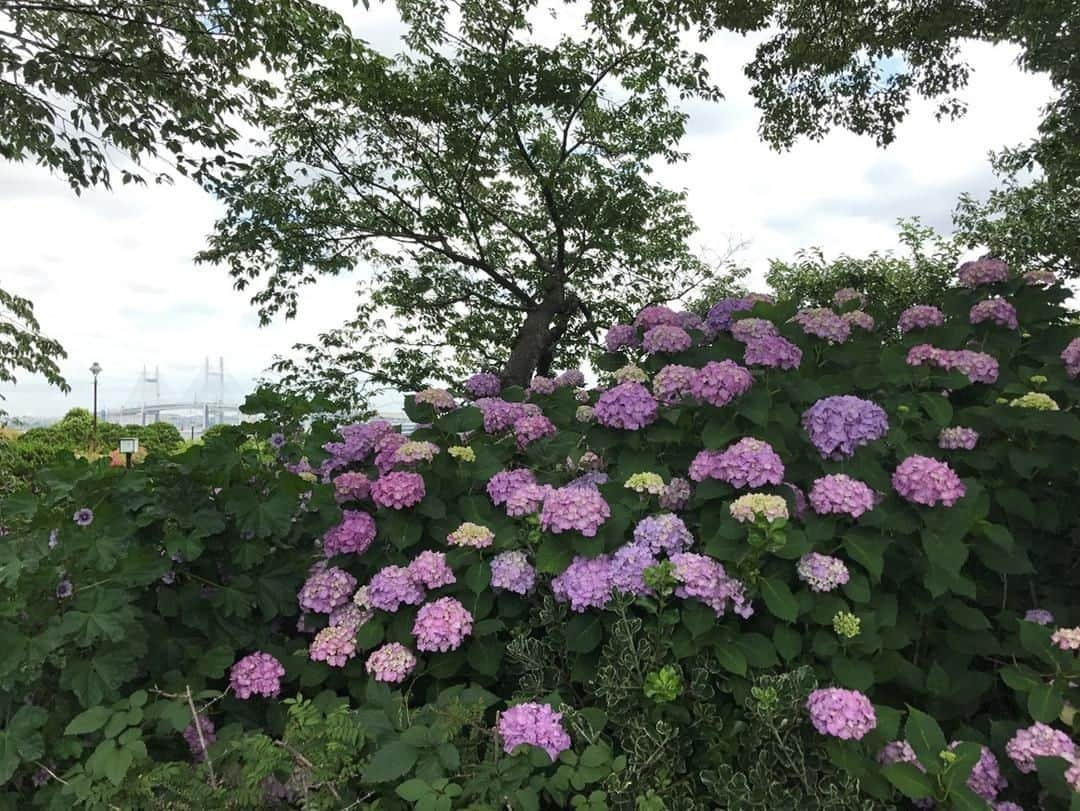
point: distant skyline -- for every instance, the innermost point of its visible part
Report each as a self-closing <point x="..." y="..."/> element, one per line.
<point x="112" y="277"/>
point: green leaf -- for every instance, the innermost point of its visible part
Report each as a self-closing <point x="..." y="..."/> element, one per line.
<point x="925" y="737"/>
<point x="469" y="418"/>
<point x="90" y="720"/>
<point x="390" y="762"/>
<point x="788" y="642"/>
<point x="854" y="674"/>
<point x="731" y="658"/>
<point x="779" y="599"/>
<point x="911" y="782"/>
<point x="870" y="553"/>
<point x="1044" y="703"/>
<point x="412" y="790"/>
<point x="938" y="408"/>
<point x="477" y="577"/>
<point x="20" y="740"/>
<point x="584" y="633"/>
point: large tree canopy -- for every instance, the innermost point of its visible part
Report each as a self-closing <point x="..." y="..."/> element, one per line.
<point x="23" y="346"/>
<point x="497" y="187"/>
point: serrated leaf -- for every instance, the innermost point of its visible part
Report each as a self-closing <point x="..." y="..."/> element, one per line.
<point x="779" y="599"/>
<point x="912" y="783"/>
<point x="390" y="762"/>
<point x="90" y="720"/>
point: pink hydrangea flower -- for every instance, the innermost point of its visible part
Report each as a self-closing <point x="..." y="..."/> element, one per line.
<point x="1039" y="740"/>
<point x="996" y="310"/>
<point x="746" y="330"/>
<point x="958" y="438"/>
<point x="747" y="463"/>
<point x="857" y="318"/>
<point x="326" y="590"/>
<point x="391" y="663"/>
<point x="442" y="625"/>
<point x="484" y="384"/>
<point x="846" y="295"/>
<point x="985" y="778"/>
<point x="334" y="644"/>
<point x="257" y="674"/>
<point x="352" y="536"/>
<point x="840" y="494"/>
<point x="666" y="338"/>
<point x="655" y="316"/>
<point x="1066" y="638"/>
<point x="718" y="383"/>
<point x="923" y="480"/>
<point x="1070" y="356"/>
<point x="983" y="271"/>
<point x="672" y="383"/>
<point x="527" y="500"/>
<point x="620" y="336"/>
<point x="846" y="714"/>
<point x="676" y="495"/>
<point x="505" y="482"/>
<point x="574" y="508"/>
<point x="704" y="579"/>
<point x="431" y="570"/>
<point x="822" y="572"/>
<point x="392" y="586"/>
<point x="398" y="490"/>
<point x="532" y="427"/>
<point x="920" y="316"/>
<point x="533" y="724"/>
<point x="822" y="322"/>
<point x="629" y="406"/>
<point x="542" y="385"/>
<point x="351" y="486"/>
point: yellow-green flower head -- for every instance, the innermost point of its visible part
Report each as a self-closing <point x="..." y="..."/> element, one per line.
<point x="1038" y="380"/>
<point x="630" y="372"/>
<point x="462" y="453"/>
<point x="307" y="476"/>
<point x="646" y="483"/>
<point x="470" y="534"/>
<point x="846" y="624"/>
<point x="903" y="409"/>
<point x="1036" y="400"/>
<point x="1001" y="401"/>
<point x="758" y="505"/>
<point x="584" y="413"/>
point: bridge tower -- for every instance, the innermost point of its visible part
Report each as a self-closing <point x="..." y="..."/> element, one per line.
<point x="144" y="380"/>
<point x="219" y="399"/>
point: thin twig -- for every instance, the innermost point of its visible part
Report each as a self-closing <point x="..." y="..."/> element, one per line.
<point x="296" y="753"/>
<point x="199" y="732"/>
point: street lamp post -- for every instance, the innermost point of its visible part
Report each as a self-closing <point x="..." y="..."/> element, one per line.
<point x="95" y="370"/>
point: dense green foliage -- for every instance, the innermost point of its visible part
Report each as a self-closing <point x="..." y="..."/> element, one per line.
<point x="194" y="560"/>
<point x="23" y="347"/>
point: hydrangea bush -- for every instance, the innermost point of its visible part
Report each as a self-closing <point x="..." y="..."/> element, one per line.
<point x="778" y="562"/>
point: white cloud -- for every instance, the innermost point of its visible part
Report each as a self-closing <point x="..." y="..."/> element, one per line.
<point x="112" y="277"/>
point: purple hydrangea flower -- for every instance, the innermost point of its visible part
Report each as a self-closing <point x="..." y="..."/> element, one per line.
<point x="977" y="366"/>
<point x="542" y="385"/>
<point x="655" y="316"/>
<point x="532" y="427"/>
<point x="958" y="438"/>
<point x="689" y="321"/>
<point x="431" y="570"/>
<point x="672" y="383"/>
<point x="773" y="352"/>
<point x="586" y="583"/>
<point x="574" y="508"/>
<point x="857" y="318"/>
<point x="398" y="490"/>
<point x="846" y="714"/>
<point x="326" y="590"/>
<point x="822" y="322"/>
<point x="920" y="316"/>
<point x="822" y="572"/>
<point x="1006" y="805"/>
<point x="996" y="310"/>
<point x="620" y="336"/>
<point x="527" y="500"/>
<point x="571" y="377"/>
<point x="594" y="478"/>
<point x="358" y="441"/>
<point x="899" y="752"/>
<point x="533" y="725"/>
<point x="799" y="497"/>
<point x="442" y="625"/>
<point x="840" y="494"/>
<point x="334" y="644"/>
<point x="350" y="616"/>
<point x="983" y="271"/>
<point x="352" y="536"/>
<point x="666" y="338"/>
<point x="719" y="316"/>
<point x="386" y="448"/>
<point x="840" y="424"/>
<point x="663" y="533"/>
<point x="512" y="571"/>
<point x="985" y="778"/>
<point x="718" y="383"/>
<point x="746" y="330"/>
<point x="747" y="463"/>
<point x="500" y="415"/>
<point x="192" y="738"/>
<point x="1039" y="740"/>
<point x="923" y="480"/>
<point x="257" y="674"/>
<point x="629" y="406"/>
<point x="1040" y="616"/>
<point x="351" y="486"/>
<point x="676" y="494"/>
<point x="628" y="565"/>
<point x="1070" y="356"/>
<point x="505" y="482"/>
<point x="84" y="517"/>
<point x="846" y="295"/>
<point x="392" y="586"/>
<point x="704" y="579"/>
<point x="483" y="384"/>
<point x="391" y="663"/>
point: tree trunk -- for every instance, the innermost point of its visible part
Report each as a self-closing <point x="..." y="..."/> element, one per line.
<point x="535" y="340"/>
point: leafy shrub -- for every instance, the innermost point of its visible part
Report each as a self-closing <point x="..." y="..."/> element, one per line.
<point x="674" y="645"/>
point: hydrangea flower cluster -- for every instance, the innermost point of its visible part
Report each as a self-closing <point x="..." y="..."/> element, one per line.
<point x="386" y="448"/>
<point x="846" y="624"/>
<point x="1070" y="356"/>
<point x="746" y="330"/>
<point x="718" y="383"/>
<point x="257" y="674"/>
<point x="1040" y="616"/>
<point x="391" y="663"/>
<point x="620" y="336"/>
<point x="499" y="415"/>
<point x="923" y="480"/>
<point x="628" y="405"/>
<point x="645" y="483"/>
<point x="822" y="572"/>
<point x="996" y="310"/>
<point x="585" y="413"/>
<point x="409" y="453"/>
<point x="839" y="494"/>
<point x="978" y="367"/>
<point x="663" y="533"/>
<point x="1038" y="740"/>
<point x="442" y="625"/>
<point x="857" y="318"/>
<point x="822" y="322"/>
<point x="441" y="399"/>
<point x="327" y="589"/>
<point x="747" y="463"/>
<point x="846" y="295"/>
<point x="630" y="373"/>
<point x="985" y="778"/>
<point x="628" y="565"/>
<point x="542" y="385"/>
<point x="527" y="500"/>
<point x="430" y="570"/>
<point x="676" y="495"/>
<point x="352" y="536"/>
<point x="719" y="316"/>
<point x="957" y="438"/>
<point x="358" y="441"/>
<point x="840" y="424"/>
<point x="462" y="453"/>
<point x="571" y="377"/>
<point x="574" y="508"/>
<point x="1040" y="278"/>
<point x="672" y="383"/>
<point x="773" y="352"/>
<point x="846" y="714"/>
<point x="533" y="724"/>
<point x="191" y="737"/>
<point x="505" y="482"/>
<point x="666" y="338"/>
<point x="656" y="315"/>
<point x="483" y="384"/>
<point x="398" y="490"/>
<point x="983" y="271"/>
<point x="334" y="644"/>
<point x="899" y="752"/>
<point x="513" y="572"/>
<point x="1066" y="638"/>
<point x="585" y="583"/>
<point x="1036" y="400"/>
<point x="532" y="427"/>
<point x="920" y="316"/>
<point x="392" y="586"/>
<point x="758" y="505"/>
<point x="706" y="580"/>
<point x="351" y="486"/>
<point x="471" y="535"/>
<point x="350" y="616"/>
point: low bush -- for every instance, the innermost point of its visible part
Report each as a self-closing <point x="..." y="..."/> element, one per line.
<point x="778" y="562"/>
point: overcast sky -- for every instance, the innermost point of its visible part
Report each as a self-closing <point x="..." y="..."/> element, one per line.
<point x="112" y="277"/>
